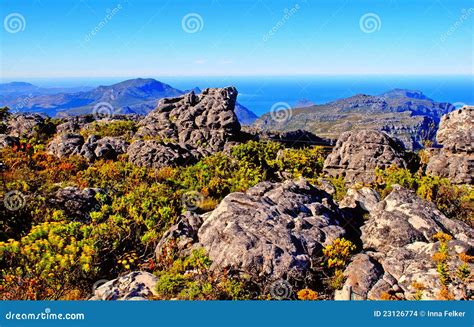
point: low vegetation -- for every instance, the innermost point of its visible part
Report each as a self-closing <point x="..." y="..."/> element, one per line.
<point x="46" y="254"/>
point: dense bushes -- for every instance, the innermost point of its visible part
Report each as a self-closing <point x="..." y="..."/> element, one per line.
<point x="44" y="254"/>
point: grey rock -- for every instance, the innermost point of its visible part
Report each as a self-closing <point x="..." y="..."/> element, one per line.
<point x="137" y="285"/>
<point x="155" y="154"/>
<point x="399" y="245"/>
<point x="365" y="198"/>
<point x="103" y="148"/>
<point x="204" y="122"/>
<point x="273" y="231"/>
<point x="72" y="124"/>
<point x="455" y="160"/>
<point x="184" y="232"/>
<point x="357" y="154"/>
<point x="25" y="125"/>
<point x="403" y="218"/>
<point x="64" y="145"/>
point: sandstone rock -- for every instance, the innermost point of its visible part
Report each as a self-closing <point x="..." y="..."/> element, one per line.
<point x="204" y="122"/>
<point x="73" y="124"/>
<point x="456" y="158"/>
<point x="399" y="245"/>
<point x="357" y="154"/>
<point x="77" y="203"/>
<point x="152" y="153"/>
<point x="137" y="285"/>
<point x="25" y="125"/>
<point x="403" y="218"/>
<point x="103" y="148"/>
<point x="184" y="232"/>
<point x="364" y="198"/>
<point x="64" y="145"/>
<point x="273" y="231"/>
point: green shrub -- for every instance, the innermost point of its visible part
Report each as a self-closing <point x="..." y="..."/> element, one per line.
<point x="114" y="128"/>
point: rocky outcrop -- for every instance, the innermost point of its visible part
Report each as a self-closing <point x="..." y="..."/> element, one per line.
<point x="157" y="154"/>
<point x="103" y="148"/>
<point x="183" y="129"/>
<point x="64" y="145"/>
<point x="364" y="198"/>
<point x="73" y="124"/>
<point x="357" y="154"/>
<point x="399" y="245"/>
<point x="77" y="203"/>
<point x="184" y="232"/>
<point x="135" y="286"/>
<point x="273" y="231"/>
<point x="25" y="125"/>
<point x="455" y="160"/>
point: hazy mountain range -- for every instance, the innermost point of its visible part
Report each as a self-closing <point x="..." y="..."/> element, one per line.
<point x="134" y="96"/>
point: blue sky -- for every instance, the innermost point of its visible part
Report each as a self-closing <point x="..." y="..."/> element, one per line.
<point x="143" y="38"/>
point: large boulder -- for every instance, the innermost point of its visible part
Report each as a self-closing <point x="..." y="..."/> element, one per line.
<point x="206" y="120"/>
<point x="137" y="285"/>
<point x="358" y="153"/>
<point x="273" y="231"/>
<point x="157" y="154"/>
<point x="455" y="160"/>
<point x="67" y="144"/>
<point x="399" y="248"/>
<point x="103" y="148"/>
<point x="25" y="125"/>
<point x="184" y="232"/>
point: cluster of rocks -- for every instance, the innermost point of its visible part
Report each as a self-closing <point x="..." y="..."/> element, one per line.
<point x="455" y="160"/>
<point x="398" y="248"/>
<point x="358" y="153"/>
<point x="68" y="144"/>
<point x="20" y="126"/>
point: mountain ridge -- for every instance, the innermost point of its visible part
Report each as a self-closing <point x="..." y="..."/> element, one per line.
<point x="132" y="96"/>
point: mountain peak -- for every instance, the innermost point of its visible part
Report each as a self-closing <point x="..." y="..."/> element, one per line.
<point x="405" y="93"/>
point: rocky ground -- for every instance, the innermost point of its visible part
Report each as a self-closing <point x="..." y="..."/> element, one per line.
<point x="278" y="233"/>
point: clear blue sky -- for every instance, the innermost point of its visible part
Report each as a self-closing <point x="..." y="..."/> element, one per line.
<point x="146" y="38"/>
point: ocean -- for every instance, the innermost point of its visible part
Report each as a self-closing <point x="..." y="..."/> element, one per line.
<point x="260" y="93"/>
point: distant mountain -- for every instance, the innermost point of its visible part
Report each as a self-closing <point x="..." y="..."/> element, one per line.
<point x="134" y="96"/>
<point x="245" y="116"/>
<point x="409" y="115"/>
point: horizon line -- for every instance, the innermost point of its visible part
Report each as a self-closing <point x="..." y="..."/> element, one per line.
<point x="23" y="78"/>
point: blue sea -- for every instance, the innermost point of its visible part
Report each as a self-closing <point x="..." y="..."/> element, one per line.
<point x="260" y="93"/>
